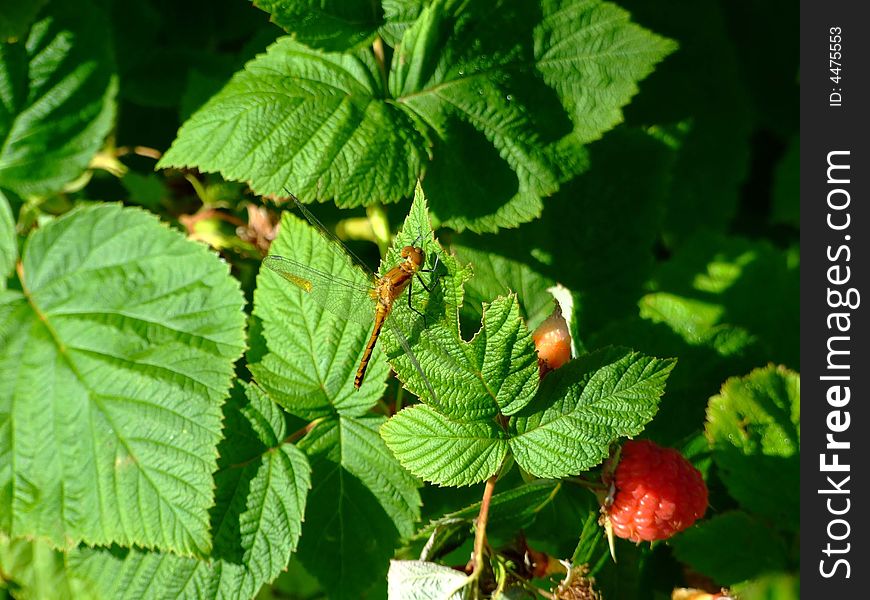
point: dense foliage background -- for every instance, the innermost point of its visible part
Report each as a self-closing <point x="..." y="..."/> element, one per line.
<point x="175" y="425"/>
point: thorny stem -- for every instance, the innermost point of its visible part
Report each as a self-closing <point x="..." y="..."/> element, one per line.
<point x="480" y="528"/>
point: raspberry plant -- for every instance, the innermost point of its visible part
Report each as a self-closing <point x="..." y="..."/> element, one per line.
<point x="175" y="422"/>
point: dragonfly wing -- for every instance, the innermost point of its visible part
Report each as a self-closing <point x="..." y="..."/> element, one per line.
<point x="344" y="298"/>
<point x="406" y="348"/>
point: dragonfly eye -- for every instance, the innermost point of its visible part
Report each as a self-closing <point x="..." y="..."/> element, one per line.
<point x="415" y="254"/>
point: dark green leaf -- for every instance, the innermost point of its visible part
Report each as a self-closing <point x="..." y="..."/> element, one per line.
<point x="16" y="17"/>
<point x="509" y="511"/>
<point x="496" y="275"/>
<point x="361" y="503"/>
<point x="57" y="101"/>
<point x="753" y="548"/>
<point x="398" y="16"/>
<point x="576" y="242"/>
<point x="697" y="103"/>
<point x="754" y="428"/>
<point x="313" y="122"/>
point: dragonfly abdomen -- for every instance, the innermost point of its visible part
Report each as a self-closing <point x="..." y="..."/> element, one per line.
<point x="388" y="289"/>
<point x="381" y="315"/>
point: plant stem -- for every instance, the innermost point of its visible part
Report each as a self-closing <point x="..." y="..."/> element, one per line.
<point x="595" y="486"/>
<point x="378" y="51"/>
<point x="480" y="527"/>
<point x="399" y="397"/>
<point x="300" y="433"/>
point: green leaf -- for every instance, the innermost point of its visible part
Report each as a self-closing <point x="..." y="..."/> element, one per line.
<point x="334" y="25"/>
<point x="313" y="122"/>
<point x="496" y="371"/>
<point x="115" y="359"/>
<point x="524" y="106"/>
<point x="583" y="407"/>
<point x="419" y="580"/>
<point x="16" y="17"/>
<point x="472" y="64"/>
<point x="398" y="16"/>
<point x="361" y="503"/>
<point x="496" y="275"/>
<point x="498" y="83"/>
<point x="573" y="511"/>
<point x="8" y="240"/>
<point x="444" y="451"/>
<point x="32" y="569"/>
<point x="594" y="56"/>
<point x="277" y="480"/>
<point x="468" y="85"/>
<point x="262" y="484"/>
<point x="145" y="190"/>
<point x="761" y="549"/>
<point x="313" y="353"/>
<point x="592" y="545"/>
<point x="57" y="101"/>
<point x="754" y="429"/>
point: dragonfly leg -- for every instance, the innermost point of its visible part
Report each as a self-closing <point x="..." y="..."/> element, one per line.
<point x="410" y="287"/>
<point x="423" y="283"/>
<point x="434" y="270"/>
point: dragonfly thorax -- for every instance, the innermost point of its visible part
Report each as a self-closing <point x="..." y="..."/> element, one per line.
<point x="414" y="258"/>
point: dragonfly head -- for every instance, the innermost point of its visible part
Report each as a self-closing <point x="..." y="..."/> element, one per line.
<point x="414" y="255"/>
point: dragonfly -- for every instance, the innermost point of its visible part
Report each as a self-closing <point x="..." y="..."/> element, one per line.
<point x="363" y="303"/>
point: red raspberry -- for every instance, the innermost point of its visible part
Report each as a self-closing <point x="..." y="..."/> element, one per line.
<point x="658" y="493"/>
